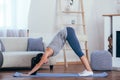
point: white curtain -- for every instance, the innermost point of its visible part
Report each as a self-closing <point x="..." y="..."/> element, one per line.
<point x="14" y="18"/>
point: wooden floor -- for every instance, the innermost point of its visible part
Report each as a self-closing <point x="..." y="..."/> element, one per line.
<point x="76" y="68"/>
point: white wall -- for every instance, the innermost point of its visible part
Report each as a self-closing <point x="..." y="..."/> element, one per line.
<point x="42" y="18"/>
<point x="94" y="9"/>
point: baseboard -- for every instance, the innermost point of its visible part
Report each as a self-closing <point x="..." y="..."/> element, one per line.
<point x="62" y="63"/>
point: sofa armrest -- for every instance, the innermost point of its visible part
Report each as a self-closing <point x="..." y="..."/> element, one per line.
<point x="1" y="59"/>
<point x="52" y="60"/>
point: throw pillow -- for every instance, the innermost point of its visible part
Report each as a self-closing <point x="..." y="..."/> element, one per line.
<point x="35" y="44"/>
<point x="2" y="48"/>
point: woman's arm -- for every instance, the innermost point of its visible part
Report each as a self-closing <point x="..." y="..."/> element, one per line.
<point x="46" y="55"/>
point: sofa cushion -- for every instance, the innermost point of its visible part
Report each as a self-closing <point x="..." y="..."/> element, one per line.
<point x="2" y="48"/>
<point x="18" y="58"/>
<point x="14" y="43"/>
<point x="35" y="44"/>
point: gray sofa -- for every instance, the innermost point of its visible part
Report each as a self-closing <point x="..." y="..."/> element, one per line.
<point x="16" y="52"/>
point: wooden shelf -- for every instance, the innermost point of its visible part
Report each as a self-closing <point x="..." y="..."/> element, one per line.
<point x="74" y="12"/>
<point x="73" y="25"/>
<point x="114" y="14"/>
<point x="72" y="16"/>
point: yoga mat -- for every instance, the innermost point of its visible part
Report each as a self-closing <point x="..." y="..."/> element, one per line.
<point x="103" y="74"/>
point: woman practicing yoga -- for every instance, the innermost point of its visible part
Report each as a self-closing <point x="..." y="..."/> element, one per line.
<point x="66" y="34"/>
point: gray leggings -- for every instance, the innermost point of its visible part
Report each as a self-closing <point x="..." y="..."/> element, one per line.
<point x="67" y="34"/>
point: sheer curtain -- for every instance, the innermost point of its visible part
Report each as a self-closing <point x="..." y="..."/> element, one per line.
<point x="14" y="18"/>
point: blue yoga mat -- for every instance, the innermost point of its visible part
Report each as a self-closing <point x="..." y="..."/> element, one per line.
<point x="103" y="74"/>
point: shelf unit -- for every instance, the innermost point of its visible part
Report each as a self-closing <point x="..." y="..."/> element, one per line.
<point x="112" y="26"/>
<point x="71" y="13"/>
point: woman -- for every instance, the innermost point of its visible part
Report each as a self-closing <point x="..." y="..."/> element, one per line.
<point x="66" y="34"/>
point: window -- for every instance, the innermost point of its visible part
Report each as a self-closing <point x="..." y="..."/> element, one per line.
<point x="13" y="15"/>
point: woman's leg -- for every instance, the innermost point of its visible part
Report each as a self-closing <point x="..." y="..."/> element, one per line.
<point x="74" y="43"/>
<point x="69" y="35"/>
